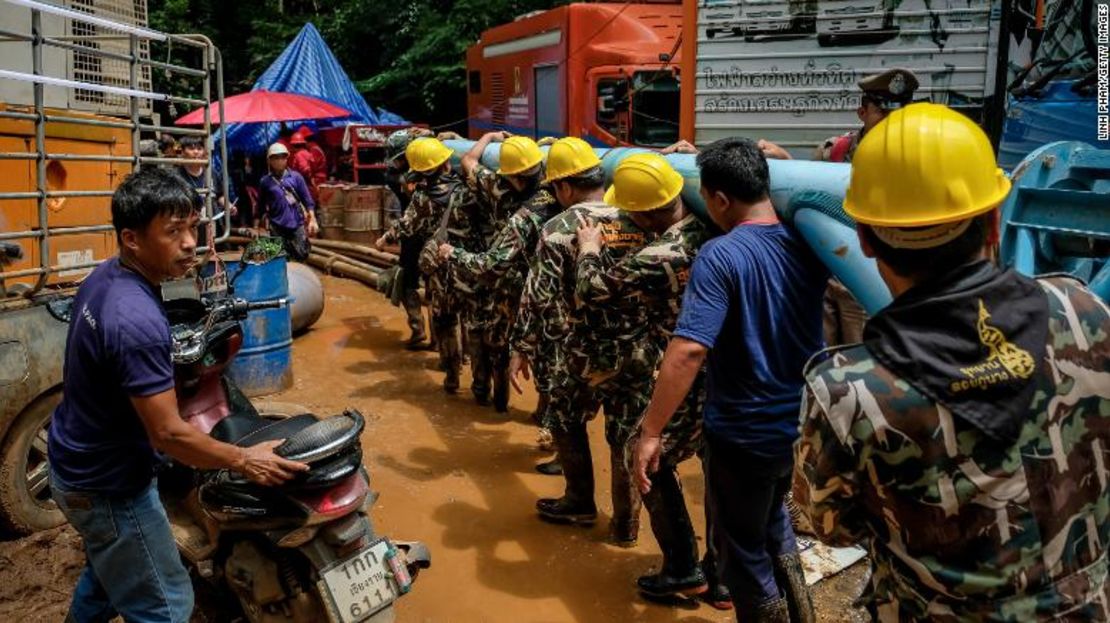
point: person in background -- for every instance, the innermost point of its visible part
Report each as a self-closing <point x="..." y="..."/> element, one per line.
<point x="319" y="159"/>
<point x="883" y="93"/>
<point x="965" y="441"/>
<point x="194" y="148"/>
<point x="119" y="409"/>
<point x="752" y="311"/>
<point x="402" y="185"/>
<point x="167" y="145"/>
<point x="301" y="161"/>
<point x="287" y="204"/>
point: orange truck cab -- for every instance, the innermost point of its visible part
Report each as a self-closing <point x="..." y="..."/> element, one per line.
<point x="605" y="72"/>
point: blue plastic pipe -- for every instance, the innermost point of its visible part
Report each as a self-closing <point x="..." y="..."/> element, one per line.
<point x="792" y="182"/>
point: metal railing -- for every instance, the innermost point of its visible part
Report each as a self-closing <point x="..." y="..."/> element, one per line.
<point x="139" y="40"/>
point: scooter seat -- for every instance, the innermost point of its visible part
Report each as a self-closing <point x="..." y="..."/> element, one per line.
<point x="307" y="438"/>
<point x="247" y="429"/>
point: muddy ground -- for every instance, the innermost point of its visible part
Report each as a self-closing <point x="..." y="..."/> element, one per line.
<point x="458" y="477"/>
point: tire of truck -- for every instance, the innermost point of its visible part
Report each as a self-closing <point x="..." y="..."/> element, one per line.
<point x="710" y="33"/>
<point x="25" y="504"/>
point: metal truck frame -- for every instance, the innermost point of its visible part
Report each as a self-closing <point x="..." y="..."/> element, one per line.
<point x="32" y="336"/>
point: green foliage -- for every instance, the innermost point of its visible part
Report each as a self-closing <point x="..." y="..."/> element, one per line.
<point x="405" y="55"/>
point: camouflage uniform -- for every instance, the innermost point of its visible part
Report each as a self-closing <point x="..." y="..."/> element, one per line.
<point x="504" y="266"/>
<point x="396" y="198"/>
<point x="548" y="315"/>
<point x="962" y="527"/>
<point x="424" y="218"/>
<point x="645" y="289"/>
<point x="489" y="318"/>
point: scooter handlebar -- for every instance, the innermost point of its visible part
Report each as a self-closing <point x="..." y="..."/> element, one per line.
<point x="271" y="304"/>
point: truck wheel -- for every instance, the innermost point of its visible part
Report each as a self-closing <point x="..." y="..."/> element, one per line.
<point x="25" y="504"/>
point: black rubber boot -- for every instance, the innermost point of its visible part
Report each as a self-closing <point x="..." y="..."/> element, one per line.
<point x="541" y="409"/>
<point x="717" y="596"/>
<point x="792" y="581"/>
<point x="624" y="536"/>
<point x="577" y="504"/>
<point x="501" y="389"/>
<point x="550" y="468"/>
<point x="451" y="381"/>
<point x="660" y="585"/>
<point x="671" y="525"/>
<point x="564" y="511"/>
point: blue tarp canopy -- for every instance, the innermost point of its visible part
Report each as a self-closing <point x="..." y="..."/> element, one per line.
<point x="307" y="66"/>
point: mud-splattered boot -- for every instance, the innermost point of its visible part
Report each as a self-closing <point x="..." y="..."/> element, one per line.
<point x="792" y="581"/>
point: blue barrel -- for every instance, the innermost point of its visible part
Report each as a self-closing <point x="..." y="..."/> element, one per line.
<point x="265" y="363"/>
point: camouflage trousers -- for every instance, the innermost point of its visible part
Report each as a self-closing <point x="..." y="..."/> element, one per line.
<point x="445" y="320"/>
<point x="489" y="356"/>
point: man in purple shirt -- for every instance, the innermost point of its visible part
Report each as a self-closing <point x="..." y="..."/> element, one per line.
<point x="119" y="406"/>
<point x="287" y="204"/>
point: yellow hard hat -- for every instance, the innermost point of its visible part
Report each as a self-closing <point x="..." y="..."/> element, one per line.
<point x="518" y="154"/>
<point x="643" y="182"/>
<point x="569" y="156"/>
<point x="925" y="164"/>
<point x="427" y="154"/>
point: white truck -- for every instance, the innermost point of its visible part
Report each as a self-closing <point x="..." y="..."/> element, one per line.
<point x="787" y="70"/>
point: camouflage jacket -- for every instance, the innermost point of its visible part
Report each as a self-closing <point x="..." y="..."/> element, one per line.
<point x="445" y="209"/>
<point x="424" y="213"/>
<point x="495" y="266"/>
<point x="633" y="303"/>
<point x="640" y="296"/>
<point x="548" y="301"/>
<point x="961" y="527"/>
<point x="498" y="197"/>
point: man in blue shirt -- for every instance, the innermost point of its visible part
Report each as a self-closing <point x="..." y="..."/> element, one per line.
<point x="752" y="309"/>
<point x="119" y="406"/>
<point x="287" y="204"/>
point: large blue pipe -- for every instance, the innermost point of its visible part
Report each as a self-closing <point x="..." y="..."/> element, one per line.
<point x="805" y="193"/>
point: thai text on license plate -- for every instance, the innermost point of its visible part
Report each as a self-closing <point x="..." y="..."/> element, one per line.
<point x="362" y="584"/>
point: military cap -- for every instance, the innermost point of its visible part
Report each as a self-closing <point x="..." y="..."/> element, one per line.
<point x="890" y="89"/>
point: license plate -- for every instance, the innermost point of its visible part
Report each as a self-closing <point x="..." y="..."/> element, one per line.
<point x="362" y="584"/>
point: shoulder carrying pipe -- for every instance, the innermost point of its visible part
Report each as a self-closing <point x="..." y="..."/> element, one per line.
<point x="806" y="194"/>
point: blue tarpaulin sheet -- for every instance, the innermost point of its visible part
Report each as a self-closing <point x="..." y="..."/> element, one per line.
<point x="307" y="66"/>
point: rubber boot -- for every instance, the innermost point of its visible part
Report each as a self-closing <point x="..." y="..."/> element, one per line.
<point x="577" y="504"/>
<point x="671" y="524"/>
<point x="625" y="529"/>
<point x="717" y="596"/>
<point x="773" y="611"/>
<point x="661" y="585"/>
<point x="447" y="337"/>
<point x="550" y="468"/>
<point x="451" y="380"/>
<point x="501" y="388"/>
<point x="541" y="408"/>
<point x="792" y="581"/>
<point x="415" y="316"/>
<point x="480" y="366"/>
